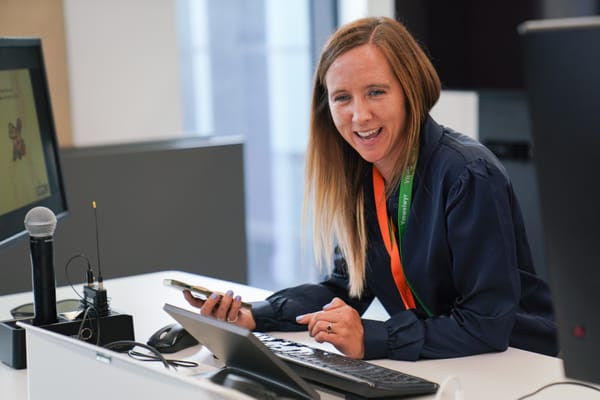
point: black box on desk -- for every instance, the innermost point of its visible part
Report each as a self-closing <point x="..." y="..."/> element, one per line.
<point x="12" y="345"/>
<point x="113" y="327"/>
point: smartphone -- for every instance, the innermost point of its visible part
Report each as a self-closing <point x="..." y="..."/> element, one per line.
<point x="197" y="290"/>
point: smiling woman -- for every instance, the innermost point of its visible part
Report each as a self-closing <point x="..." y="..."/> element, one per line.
<point x="408" y="211"/>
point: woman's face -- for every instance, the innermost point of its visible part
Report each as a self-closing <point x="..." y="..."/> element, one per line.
<point x="367" y="105"/>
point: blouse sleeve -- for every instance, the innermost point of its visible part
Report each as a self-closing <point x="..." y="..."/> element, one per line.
<point x="279" y="311"/>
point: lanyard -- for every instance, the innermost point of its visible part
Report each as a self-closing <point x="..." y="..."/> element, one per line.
<point x="405" y="197"/>
<point x="386" y="226"/>
<point x="387" y="229"/>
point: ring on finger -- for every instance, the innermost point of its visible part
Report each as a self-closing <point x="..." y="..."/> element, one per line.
<point x="329" y="328"/>
<point x="231" y="321"/>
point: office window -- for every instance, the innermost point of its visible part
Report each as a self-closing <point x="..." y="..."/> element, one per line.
<point x="247" y="69"/>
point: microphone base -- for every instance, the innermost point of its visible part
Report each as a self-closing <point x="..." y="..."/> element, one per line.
<point x="113" y="327"/>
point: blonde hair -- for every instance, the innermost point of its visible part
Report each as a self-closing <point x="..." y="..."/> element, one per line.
<point x="335" y="172"/>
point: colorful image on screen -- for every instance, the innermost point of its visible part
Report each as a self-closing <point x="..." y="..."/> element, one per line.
<point x="23" y="175"/>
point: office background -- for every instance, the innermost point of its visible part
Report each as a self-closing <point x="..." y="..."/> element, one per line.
<point x="127" y="71"/>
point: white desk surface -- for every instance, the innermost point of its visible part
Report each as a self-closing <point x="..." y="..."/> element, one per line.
<point x="502" y="376"/>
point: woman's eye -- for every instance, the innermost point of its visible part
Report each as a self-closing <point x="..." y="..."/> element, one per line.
<point x="376" y="92"/>
<point x="341" y="97"/>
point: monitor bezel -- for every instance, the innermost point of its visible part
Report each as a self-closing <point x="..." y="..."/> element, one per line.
<point x="27" y="53"/>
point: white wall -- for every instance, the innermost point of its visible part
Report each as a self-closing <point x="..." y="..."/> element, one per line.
<point x="353" y="9"/>
<point x="458" y="110"/>
<point x="123" y="68"/>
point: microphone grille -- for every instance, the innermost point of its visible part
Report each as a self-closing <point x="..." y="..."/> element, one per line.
<point x="40" y="222"/>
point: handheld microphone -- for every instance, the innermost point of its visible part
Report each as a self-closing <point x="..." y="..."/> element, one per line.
<point x="40" y="223"/>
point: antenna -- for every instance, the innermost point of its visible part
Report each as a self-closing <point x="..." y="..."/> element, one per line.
<point x="95" y="295"/>
<point x="100" y="279"/>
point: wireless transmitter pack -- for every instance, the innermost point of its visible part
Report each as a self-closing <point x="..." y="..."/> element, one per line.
<point x="96" y="324"/>
<point x="95" y="296"/>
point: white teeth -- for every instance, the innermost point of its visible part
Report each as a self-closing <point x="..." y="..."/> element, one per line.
<point x="367" y="133"/>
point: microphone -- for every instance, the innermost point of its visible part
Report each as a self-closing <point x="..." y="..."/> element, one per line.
<point x="40" y="223"/>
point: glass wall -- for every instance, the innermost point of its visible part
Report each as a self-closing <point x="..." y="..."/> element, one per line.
<point x="247" y="67"/>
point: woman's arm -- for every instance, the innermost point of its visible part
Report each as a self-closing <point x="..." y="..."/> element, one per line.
<point x="279" y="311"/>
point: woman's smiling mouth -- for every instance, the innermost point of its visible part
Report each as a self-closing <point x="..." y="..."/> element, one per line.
<point x="368" y="134"/>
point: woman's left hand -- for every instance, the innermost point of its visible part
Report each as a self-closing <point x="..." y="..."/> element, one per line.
<point x="338" y="324"/>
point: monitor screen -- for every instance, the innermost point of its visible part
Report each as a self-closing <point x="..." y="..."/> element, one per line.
<point x="561" y="64"/>
<point x="30" y="174"/>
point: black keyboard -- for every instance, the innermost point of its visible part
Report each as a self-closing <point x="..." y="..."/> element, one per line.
<point x="357" y="378"/>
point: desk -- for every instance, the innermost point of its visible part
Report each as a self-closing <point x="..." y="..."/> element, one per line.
<point x="500" y="376"/>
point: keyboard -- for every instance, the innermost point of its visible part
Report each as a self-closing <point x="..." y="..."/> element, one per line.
<point x="356" y="379"/>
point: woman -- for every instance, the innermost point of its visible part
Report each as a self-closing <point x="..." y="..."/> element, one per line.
<point x="413" y="213"/>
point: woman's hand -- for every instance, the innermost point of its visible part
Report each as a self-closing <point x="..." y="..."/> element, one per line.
<point x="224" y="307"/>
<point x="338" y="324"/>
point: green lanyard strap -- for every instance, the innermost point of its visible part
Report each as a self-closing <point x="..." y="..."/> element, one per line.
<point x="404" y="203"/>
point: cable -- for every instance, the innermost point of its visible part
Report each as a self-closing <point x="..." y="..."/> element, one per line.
<point x="459" y="394"/>
<point x="586" y="385"/>
<point x="90" y="280"/>
<point x="173" y="363"/>
<point x="89" y="272"/>
<point x="130" y="344"/>
<point x="80" y="335"/>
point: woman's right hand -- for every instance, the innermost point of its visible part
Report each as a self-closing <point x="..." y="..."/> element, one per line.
<point x="224" y="307"/>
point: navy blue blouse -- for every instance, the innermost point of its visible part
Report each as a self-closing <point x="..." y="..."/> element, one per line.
<point x="465" y="254"/>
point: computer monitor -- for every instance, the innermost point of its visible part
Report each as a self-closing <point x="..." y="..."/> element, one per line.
<point x="562" y="74"/>
<point x="30" y="173"/>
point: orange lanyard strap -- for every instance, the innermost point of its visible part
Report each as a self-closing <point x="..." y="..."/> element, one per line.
<point x="386" y="225"/>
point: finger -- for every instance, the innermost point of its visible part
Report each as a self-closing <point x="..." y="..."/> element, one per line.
<point x="322" y="316"/>
<point x="210" y="304"/>
<point x="320" y="326"/>
<point x="234" y="310"/>
<point x="323" y="337"/>
<point x="335" y="303"/>
<point x="325" y="332"/>
<point x="224" y="306"/>
<point x="304" y="319"/>
<point x="313" y="321"/>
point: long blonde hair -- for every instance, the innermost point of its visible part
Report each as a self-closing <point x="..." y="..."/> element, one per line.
<point x="335" y="171"/>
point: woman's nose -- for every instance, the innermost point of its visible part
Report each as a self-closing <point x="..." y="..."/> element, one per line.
<point x="360" y="111"/>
